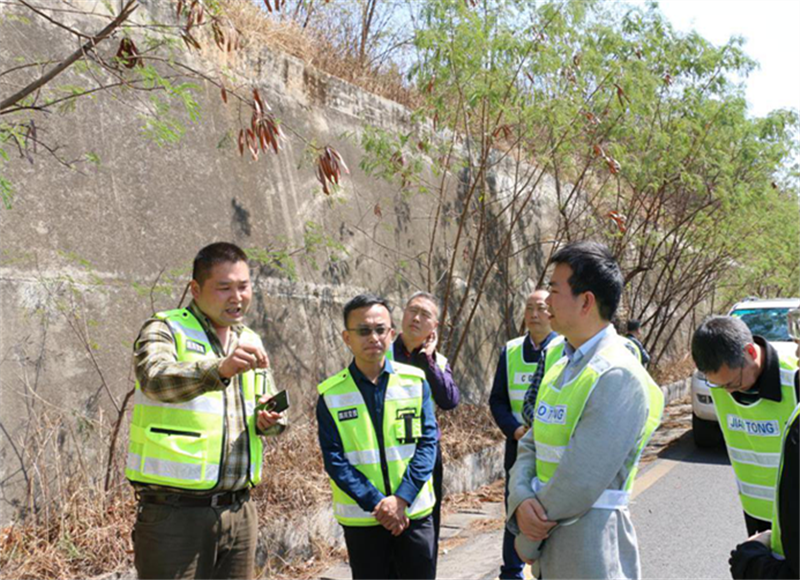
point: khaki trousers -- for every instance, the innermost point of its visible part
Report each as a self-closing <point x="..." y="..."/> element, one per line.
<point x="195" y="542"/>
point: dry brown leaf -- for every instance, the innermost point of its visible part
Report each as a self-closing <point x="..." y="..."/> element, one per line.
<point x="251" y="144"/>
<point x="128" y="54"/>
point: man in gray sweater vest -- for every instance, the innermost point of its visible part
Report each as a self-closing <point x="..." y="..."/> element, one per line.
<point x="568" y="498"/>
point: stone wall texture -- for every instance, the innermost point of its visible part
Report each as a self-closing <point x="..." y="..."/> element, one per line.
<point x="87" y="255"/>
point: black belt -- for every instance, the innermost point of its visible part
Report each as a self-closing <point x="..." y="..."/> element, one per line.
<point x="226" y="498"/>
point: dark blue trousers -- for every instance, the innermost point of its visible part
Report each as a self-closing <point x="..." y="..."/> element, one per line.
<point x="512" y="565"/>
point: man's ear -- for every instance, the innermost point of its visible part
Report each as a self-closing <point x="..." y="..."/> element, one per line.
<point x="346" y="338"/>
<point x="589" y="300"/>
<point x="195" y="288"/>
<point x="750" y="349"/>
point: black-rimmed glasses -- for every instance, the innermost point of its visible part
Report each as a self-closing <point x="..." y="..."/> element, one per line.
<point x="729" y="385"/>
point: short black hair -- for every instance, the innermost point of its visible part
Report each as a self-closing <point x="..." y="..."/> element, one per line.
<point x="720" y="340"/>
<point x="594" y="270"/>
<point x="633" y="325"/>
<point x="213" y="254"/>
<point x="364" y="301"/>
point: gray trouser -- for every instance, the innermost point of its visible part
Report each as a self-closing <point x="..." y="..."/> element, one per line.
<point x="195" y="542"/>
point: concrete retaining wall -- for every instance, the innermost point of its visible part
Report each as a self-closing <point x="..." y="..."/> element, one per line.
<point x="87" y="255"/>
<point x="676" y="390"/>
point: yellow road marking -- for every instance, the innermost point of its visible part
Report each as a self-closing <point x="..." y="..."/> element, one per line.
<point x="663" y="467"/>
<point x="655" y="473"/>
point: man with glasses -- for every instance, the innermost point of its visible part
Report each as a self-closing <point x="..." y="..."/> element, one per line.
<point x="754" y="390"/>
<point x="416" y="346"/>
<point x="377" y="431"/>
<point x="520" y="369"/>
<point x="775" y="553"/>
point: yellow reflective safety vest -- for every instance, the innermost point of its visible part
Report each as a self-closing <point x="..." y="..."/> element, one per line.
<point x="441" y="360"/>
<point x="181" y="445"/>
<point x="520" y="373"/>
<point x="777" y="543"/>
<point x="752" y="436"/>
<point x="633" y="348"/>
<point x="559" y="410"/>
<point x="402" y="428"/>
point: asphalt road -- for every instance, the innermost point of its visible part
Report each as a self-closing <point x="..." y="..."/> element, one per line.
<point x="687" y="513"/>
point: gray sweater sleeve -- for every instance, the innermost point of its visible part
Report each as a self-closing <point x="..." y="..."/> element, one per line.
<point x="602" y="447"/>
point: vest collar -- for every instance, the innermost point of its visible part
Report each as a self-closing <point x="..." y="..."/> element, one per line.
<point x="358" y="376"/>
<point x="530" y="353"/>
<point x="574" y="355"/>
<point x="205" y="322"/>
<point x="544" y="343"/>
<point x="768" y="384"/>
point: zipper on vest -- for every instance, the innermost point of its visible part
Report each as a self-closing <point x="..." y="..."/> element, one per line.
<point x="387" y="484"/>
<point x="221" y="354"/>
<point x="174" y="432"/>
<point x="246" y="428"/>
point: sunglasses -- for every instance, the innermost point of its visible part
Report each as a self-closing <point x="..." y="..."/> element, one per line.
<point x="365" y="331"/>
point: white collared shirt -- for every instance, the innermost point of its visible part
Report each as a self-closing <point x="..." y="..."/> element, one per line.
<point x="576" y="355"/>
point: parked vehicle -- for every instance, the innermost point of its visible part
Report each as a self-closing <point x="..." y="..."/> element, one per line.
<point x="766" y="318"/>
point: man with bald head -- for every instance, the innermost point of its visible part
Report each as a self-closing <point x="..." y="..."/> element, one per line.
<point x="416" y="346"/>
<point x="522" y="360"/>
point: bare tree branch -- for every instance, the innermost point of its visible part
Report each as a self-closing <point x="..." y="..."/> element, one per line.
<point x="124" y="14"/>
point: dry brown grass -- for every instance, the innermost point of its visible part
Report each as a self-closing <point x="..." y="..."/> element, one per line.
<point x="317" y="48"/>
<point x="85" y="532"/>
<point x="674" y="370"/>
<point x="491" y="492"/>
<point x="467" y="429"/>
<point x="294" y="476"/>
<point x="89" y="535"/>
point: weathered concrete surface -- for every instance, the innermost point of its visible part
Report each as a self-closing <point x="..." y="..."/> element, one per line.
<point x="296" y="535"/>
<point x="87" y="255"/>
<point x="676" y="390"/>
<point x="474" y="470"/>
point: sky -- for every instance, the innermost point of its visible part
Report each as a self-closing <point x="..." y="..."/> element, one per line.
<point x="771" y="29"/>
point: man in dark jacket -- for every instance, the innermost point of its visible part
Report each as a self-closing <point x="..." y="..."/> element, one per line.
<point x="634" y="334"/>
<point x="758" y="556"/>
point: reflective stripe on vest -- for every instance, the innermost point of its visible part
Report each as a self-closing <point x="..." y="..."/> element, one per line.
<point x="777" y="541"/>
<point x="181" y="444"/>
<point x="213" y="406"/>
<point x="610" y="499"/>
<point x="441" y="360"/>
<point x="520" y="373"/>
<point x="173" y="469"/>
<point x="753" y="438"/>
<point x="360" y="441"/>
<point x="352" y="512"/>
<point x="754" y="458"/>
<point x="559" y="409"/>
